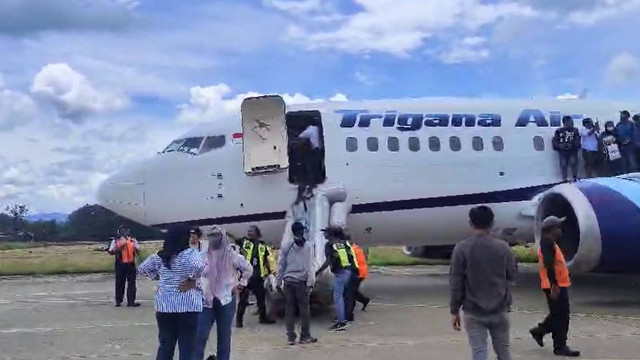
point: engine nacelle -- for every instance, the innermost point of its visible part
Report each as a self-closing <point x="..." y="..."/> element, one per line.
<point x="602" y="230"/>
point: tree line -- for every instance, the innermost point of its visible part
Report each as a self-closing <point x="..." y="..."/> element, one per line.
<point x="88" y="223"/>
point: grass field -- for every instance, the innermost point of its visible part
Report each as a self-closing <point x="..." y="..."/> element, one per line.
<point x="78" y="259"/>
<point x="18" y="245"/>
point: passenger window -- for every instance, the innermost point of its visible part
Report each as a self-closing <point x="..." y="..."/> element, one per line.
<point x="538" y="143"/>
<point x="393" y="144"/>
<point x="477" y="143"/>
<point x="434" y="143"/>
<point x="352" y="144"/>
<point x="414" y="144"/>
<point x="498" y="143"/>
<point x="455" y="144"/>
<point x="372" y="143"/>
<point x="212" y="143"/>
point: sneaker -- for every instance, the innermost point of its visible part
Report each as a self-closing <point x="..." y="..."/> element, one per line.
<point x="239" y="324"/>
<point x="291" y="342"/>
<point x="364" y="306"/>
<point x="267" y="321"/>
<point x="310" y="340"/>
<point x="118" y="304"/>
<point x="566" y="351"/>
<point x="339" y="326"/>
<point x="537" y="336"/>
<point x="133" y="305"/>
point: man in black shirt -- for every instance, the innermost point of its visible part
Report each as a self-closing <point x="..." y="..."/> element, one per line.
<point x="566" y="141"/>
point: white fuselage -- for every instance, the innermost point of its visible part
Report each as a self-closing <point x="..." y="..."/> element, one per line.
<point x="406" y="197"/>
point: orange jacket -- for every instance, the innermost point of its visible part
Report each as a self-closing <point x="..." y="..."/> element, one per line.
<point x="363" y="271"/>
<point x="560" y="267"/>
<point x="127" y="250"/>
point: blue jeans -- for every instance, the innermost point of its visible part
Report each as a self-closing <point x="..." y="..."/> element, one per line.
<point x="176" y="327"/>
<point x="339" y="285"/>
<point x="223" y="317"/>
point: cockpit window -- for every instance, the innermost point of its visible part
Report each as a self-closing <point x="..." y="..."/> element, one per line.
<point x="212" y="143"/>
<point x="188" y="145"/>
<point x="175" y="144"/>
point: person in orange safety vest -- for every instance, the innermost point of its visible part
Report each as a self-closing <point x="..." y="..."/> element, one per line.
<point x="555" y="282"/>
<point x="125" y="249"/>
<point x="363" y="273"/>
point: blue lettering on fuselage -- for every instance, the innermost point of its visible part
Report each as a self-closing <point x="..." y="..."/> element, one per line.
<point x="415" y="121"/>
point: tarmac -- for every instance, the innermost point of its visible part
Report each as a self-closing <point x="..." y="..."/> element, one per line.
<point x="73" y="317"/>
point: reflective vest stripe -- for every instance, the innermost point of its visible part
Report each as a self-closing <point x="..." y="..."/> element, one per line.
<point x="127" y="250"/>
<point x="560" y="267"/>
<point x="262" y="251"/>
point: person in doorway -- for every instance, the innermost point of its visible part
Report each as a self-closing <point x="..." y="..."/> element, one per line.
<point x="481" y="269"/>
<point x="195" y="238"/>
<point x="555" y="282"/>
<point x="611" y="151"/>
<point x="625" y="130"/>
<point x="363" y="272"/>
<point x="566" y="141"/>
<point x="296" y="272"/>
<point x="340" y="257"/>
<point x="222" y="262"/>
<point x="125" y="248"/>
<point x="177" y="308"/>
<point x="589" y="142"/>
<point x="310" y="147"/>
<point x="257" y="253"/>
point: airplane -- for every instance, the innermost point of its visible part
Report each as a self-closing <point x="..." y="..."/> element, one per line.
<point x="409" y="170"/>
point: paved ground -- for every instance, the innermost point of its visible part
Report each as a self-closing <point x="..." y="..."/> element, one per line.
<point x="72" y="317"/>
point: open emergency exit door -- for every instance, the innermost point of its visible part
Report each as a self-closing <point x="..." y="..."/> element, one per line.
<point x="264" y="134"/>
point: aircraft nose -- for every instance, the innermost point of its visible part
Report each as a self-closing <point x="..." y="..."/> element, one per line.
<point x="123" y="193"/>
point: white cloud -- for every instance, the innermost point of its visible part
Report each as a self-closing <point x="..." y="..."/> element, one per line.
<point x="296" y="7"/>
<point x="399" y="27"/>
<point x="469" y="49"/>
<point x="72" y="94"/>
<point x="212" y="103"/>
<point x="16" y="108"/>
<point x="603" y="10"/>
<point x="622" y="69"/>
<point x="363" y="78"/>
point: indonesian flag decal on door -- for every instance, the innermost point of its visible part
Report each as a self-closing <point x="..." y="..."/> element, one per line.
<point x="236" y="138"/>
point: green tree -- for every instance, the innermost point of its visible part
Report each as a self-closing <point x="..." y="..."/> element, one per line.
<point x="17" y="213"/>
<point x="43" y="230"/>
<point x="6" y="223"/>
<point x="94" y="222"/>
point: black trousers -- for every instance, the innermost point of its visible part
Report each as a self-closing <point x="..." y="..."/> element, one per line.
<point x="256" y="286"/>
<point x="125" y="276"/>
<point x="557" y="322"/>
<point x="180" y="328"/>
<point x="297" y="296"/>
<point x="359" y="296"/>
<point x="350" y="295"/>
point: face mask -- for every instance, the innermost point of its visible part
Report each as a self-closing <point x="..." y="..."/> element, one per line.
<point x="609" y="129"/>
<point x="215" y="241"/>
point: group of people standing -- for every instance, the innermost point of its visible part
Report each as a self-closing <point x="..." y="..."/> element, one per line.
<point x="611" y="151"/>
<point x="482" y="269"/>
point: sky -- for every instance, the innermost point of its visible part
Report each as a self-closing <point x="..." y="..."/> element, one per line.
<point x="87" y="86"/>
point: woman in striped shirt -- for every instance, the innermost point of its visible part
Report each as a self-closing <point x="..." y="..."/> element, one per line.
<point x="177" y="308"/>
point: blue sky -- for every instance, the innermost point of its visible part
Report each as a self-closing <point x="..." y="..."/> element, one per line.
<point x="88" y="85"/>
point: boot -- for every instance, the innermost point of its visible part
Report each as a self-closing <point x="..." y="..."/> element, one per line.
<point x="538" y="335"/>
<point x="239" y="323"/>
<point x="566" y="351"/>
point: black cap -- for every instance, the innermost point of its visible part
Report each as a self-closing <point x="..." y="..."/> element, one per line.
<point x="625" y="112"/>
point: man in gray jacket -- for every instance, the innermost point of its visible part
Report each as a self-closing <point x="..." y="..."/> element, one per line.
<point x="296" y="271"/>
<point x="481" y="269"/>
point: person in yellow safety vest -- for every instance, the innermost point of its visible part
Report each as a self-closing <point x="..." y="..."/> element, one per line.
<point x="125" y="248"/>
<point x="258" y="254"/>
<point x="555" y="282"/>
<point x="340" y="256"/>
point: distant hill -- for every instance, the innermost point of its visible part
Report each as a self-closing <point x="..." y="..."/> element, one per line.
<point x="58" y="217"/>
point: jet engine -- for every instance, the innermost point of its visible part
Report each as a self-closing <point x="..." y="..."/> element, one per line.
<point x="602" y="227"/>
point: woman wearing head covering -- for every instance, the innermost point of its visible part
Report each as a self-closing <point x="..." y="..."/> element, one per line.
<point x="177" y="308"/>
<point x="222" y="264"/>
